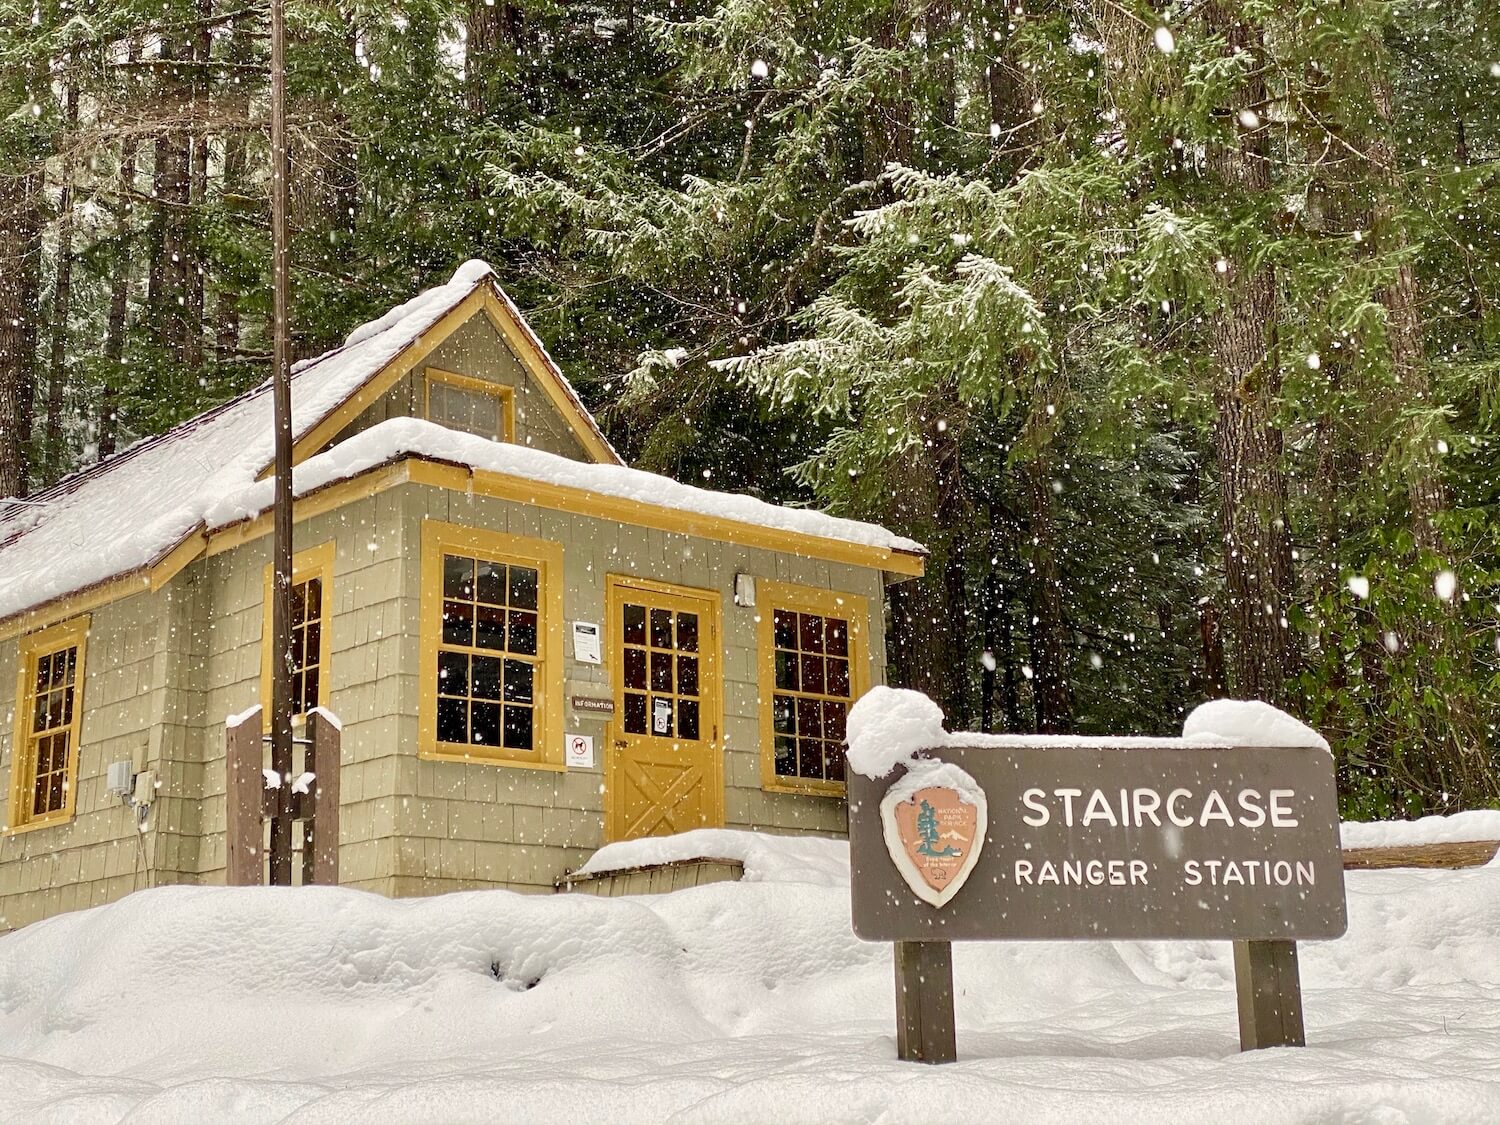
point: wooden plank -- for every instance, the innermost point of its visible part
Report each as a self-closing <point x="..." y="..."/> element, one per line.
<point x="1269" y="989"/>
<point x="1468" y="853"/>
<point x="925" y="1029"/>
<point x="321" y="840"/>
<point x="244" y="796"/>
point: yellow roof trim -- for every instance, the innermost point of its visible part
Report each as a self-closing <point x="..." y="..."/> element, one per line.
<point x="517" y="335"/>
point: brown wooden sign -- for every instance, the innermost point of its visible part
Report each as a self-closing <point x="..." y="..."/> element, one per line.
<point x="1093" y="842"/>
<point x="1081" y="840"/>
<point x="592" y="705"/>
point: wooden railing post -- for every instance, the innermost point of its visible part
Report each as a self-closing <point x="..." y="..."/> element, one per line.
<point x="1269" y="988"/>
<point x="320" y="854"/>
<point x="924" y="1002"/>
<point x="244" y="830"/>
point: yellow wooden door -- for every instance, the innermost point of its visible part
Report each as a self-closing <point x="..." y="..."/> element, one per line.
<point x="665" y="770"/>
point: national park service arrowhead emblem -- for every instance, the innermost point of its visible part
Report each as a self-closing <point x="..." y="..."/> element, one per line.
<point x="935" y="819"/>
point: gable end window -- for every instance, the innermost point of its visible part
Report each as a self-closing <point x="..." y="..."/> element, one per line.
<point x="491" y="630"/>
<point x="49" y="718"/>
<point x="813" y="666"/>
<point x="473" y="406"/>
<point x="312" y="632"/>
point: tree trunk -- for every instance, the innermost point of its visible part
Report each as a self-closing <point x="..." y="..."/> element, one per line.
<point x="1252" y="481"/>
<point x="57" y="369"/>
<point x="20" y="283"/>
<point x="1050" y="687"/>
<point x="167" y="283"/>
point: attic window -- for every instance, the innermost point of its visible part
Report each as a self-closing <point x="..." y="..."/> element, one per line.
<point x="473" y="406"/>
<point x="49" y="713"/>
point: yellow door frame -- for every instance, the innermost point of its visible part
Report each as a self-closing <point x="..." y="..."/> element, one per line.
<point x="620" y="588"/>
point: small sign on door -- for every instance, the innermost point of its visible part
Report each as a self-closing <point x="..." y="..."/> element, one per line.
<point x="580" y="751"/>
<point x="661" y="716"/>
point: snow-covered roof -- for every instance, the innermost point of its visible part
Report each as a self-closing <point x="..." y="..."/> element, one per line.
<point x="133" y="510"/>
<point x="415" y="437"/>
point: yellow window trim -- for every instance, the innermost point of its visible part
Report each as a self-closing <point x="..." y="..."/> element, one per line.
<point x="522" y="343"/>
<point x="68" y="634"/>
<point x="547" y="558"/>
<point x="315" y="562"/>
<point x="769" y="597"/>
<point x="504" y="396"/>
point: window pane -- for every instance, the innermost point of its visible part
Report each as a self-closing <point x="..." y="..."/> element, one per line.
<point x="837" y="637"/>
<point x="661" y="628"/>
<point x="518" y="731"/>
<point x="838" y="677"/>
<point x="687" y="632"/>
<point x="309" y="691"/>
<point x="635" y="713"/>
<point x="809" y="718"/>
<point x="491" y="583"/>
<point x="523" y="586"/>
<point x="71" y="659"/>
<point x="314" y="598"/>
<point x="458" y="623"/>
<point x="522" y="633"/>
<point x="687" y="719"/>
<point x="43" y="756"/>
<point x="634" y="625"/>
<point x="39" y="713"/>
<point x="833" y="761"/>
<point x="786" y="757"/>
<point x="485" y="720"/>
<point x="299" y="603"/>
<point x="812" y="673"/>
<point x="785" y="628"/>
<point x="784" y="714"/>
<point x="489" y="627"/>
<point x="39" y="797"/>
<point x="458" y="577"/>
<point x="314" y="653"/>
<point x="635" y="668"/>
<point x="786" y="670"/>
<point x="810" y="758"/>
<point x="486" y="671"/>
<point x="299" y="649"/>
<point x="43" y="675"/>
<point x="453" y="720"/>
<point x="810" y="632"/>
<point x="518" y="681"/>
<point x="687" y="675"/>
<point x="55" y="709"/>
<point x="453" y="673"/>
<point x="661" y="671"/>
<point x="835" y="716"/>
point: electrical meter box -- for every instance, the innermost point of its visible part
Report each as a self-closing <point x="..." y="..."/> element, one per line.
<point x="120" y="779"/>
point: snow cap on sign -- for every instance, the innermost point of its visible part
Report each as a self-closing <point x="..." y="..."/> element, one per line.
<point x="1248" y="722"/>
<point x="889" y="726"/>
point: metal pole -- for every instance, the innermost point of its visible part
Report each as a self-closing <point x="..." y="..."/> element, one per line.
<point x="281" y="556"/>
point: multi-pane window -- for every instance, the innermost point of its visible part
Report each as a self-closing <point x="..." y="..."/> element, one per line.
<point x="812" y="694"/>
<point x="49" y="716"/>
<point x="311" y="625"/>
<point x="662" y="694"/>
<point x="474" y="406"/>
<point x="50" y="750"/>
<point x="488" y="654"/>
<point x="307" y="644"/>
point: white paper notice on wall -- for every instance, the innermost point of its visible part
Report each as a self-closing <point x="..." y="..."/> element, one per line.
<point x="580" y="750"/>
<point x="586" y="642"/>
<point x="661" y="716"/>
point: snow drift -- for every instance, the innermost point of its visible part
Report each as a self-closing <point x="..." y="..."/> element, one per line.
<point x="736" y="1002"/>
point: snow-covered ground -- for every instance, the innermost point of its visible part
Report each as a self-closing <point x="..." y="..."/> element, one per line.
<point x="750" y="1002"/>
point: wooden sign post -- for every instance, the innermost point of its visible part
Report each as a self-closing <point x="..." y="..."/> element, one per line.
<point x="1089" y="840"/>
<point x="251" y="802"/>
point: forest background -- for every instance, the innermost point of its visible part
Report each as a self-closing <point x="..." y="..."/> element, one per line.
<point x="1174" y="332"/>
